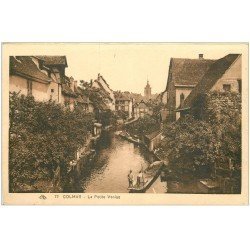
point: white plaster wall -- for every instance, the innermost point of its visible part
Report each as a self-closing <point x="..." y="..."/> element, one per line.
<point x="39" y="90"/>
<point x="231" y="76"/>
<point x="164" y="97"/>
<point x="17" y="84"/>
<point x="179" y="91"/>
<point x="57" y="92"/>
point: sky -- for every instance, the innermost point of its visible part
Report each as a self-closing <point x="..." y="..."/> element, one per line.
<point x="127" y="67"/>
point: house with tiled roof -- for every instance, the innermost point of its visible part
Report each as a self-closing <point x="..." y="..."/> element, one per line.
<point x="83" y="100"/>
<point x="29" y="76"/>
<point x="55" y="61"/>
<point x="124" y="103"/>
<point x="184" y="74"/>
<point x="223" y="75"/>
<point x="57" y="65"/>
<point x="141" y="109"/>
<point x="153" y="139"/>
<point x="69" y="96"/>
<point x="107" y="92"/>
<point x="44" y="78"/>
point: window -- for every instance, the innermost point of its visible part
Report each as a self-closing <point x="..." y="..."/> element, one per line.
<point x="182" y="97"/>
<point x="227" y="87"/>
<point x="239" y="85"/>
<point x="29" y="87"/>
<point x="51" y="94"/>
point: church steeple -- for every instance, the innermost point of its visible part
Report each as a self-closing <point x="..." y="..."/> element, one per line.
<point x="147" y="90"/>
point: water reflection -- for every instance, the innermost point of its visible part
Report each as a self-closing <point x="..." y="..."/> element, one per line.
<point x="108" y="172"/>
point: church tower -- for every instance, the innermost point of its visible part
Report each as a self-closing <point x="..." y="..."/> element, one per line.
<point x="147" y="91"/>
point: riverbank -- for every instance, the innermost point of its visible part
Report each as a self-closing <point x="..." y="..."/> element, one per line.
<point x="177" y="181"/>
<point x="107" y="171"/>
<point x="115" y="157"/>
<point x="156" y="178"/>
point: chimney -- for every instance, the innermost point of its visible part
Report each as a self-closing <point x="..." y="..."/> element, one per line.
<point x="201" y="56"/>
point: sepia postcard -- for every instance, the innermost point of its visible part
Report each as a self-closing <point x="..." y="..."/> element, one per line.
<point x="125" y="123"/>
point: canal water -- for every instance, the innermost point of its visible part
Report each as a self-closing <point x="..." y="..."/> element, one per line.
<point x="107" y="173"/>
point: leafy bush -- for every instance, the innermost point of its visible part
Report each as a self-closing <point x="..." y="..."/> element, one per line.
<point x="107" y="118"/>
<point x="190" y="143"/>
<point x="42" y="137"/>
<point x="143" y="125"/>
<point x="122" y="114"/>
<point x="209" y="137"/>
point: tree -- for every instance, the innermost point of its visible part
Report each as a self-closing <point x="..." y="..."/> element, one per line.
<point x="190" y="144"/>
<point x="143" y="125"/>
<point x="209" y="136"/>
<point x="43" y="136"/>
<point x="122" y="114"/>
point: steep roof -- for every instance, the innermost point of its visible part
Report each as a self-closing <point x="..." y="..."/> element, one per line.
<point x="54" y="60"/>
<point x="142" y="104"/>
<point x="187" y="72"/>
<point x="101" y="77"/>
<point x="122" y="98"/>
<point x="100" y="81"/>
<point x="215" y="72"/>
<point x="24" y="66"/>
<point x="119" y="96"/>
<point x="66" y="90"/>
<point x="105" y="93"/>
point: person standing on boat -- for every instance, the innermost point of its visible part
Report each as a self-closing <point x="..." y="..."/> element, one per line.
<point x="140" y="178"/>
<point x="130" y="179"/>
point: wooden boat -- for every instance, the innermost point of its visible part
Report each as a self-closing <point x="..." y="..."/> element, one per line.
<point x="130" y="139"/>
<point x="208" y="186"/>
<point x="149" y="180"/>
